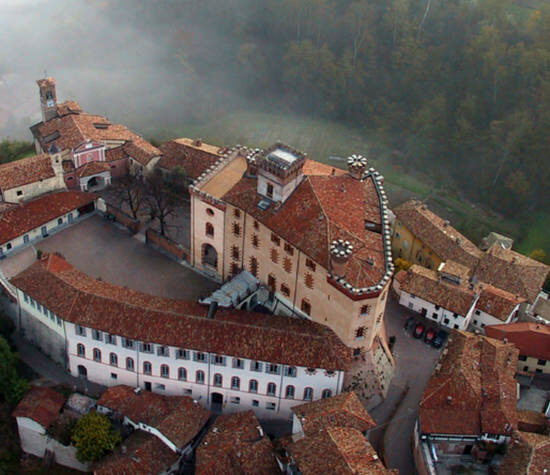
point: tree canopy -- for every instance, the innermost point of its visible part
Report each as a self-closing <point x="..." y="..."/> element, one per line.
<point x="94" y="436"/>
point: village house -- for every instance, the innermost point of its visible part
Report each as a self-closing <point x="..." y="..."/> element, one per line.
<point x="236" y="443"/>
<point x="531" y="339"/>
<point x="528" y="454"/>
<point x="317" y="237"/>
<point x="83" y="139"/>
<point x="112" y="335"/>
<point x="468" y="408"/>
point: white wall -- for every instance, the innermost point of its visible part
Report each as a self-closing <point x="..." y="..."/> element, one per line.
<point x="481" y="319"/>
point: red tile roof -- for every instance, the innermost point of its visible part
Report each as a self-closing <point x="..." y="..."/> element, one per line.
<point x="531" y="339"/>
<point x="497" y="302"/>
<point x="437" y="234"/>
<point x="236" y="444"/>
<point x="192" y="157"/>
<point x="178" y="418"/>
<point x="25" y="171"/>
<point x="18" y="221"/>
<point x="115" y="153"/>
<point x="92" y="168"/>
<point x="527" y="454"/>
<point x="472" y="390"/>
<point x="142" y="453"/>
<point x="78" y="298"/>
<point x="336" y="450"/>
<point x="344" y="410"/>
<point x="68" y="107"/>
<point x="42" y="405"/>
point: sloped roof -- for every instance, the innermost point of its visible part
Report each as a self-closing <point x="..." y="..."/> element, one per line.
<point x="24" y="171"/>
<point x="191" y="156"/>
<point x="236" y="444"/>
<point x="437" y="233"/>
<point x="68" y="107"/>
<point x="472" y="390"/>
<point x="92" y="168"/>
<point x="178" y="418"/>
<point x="20" y="220"/>
<point x="115" y="153"/>
<point x="344" y="410"/>
<point x="497" y="302"/>
<point x="527" y="453"/>
<point x="42" y="405"/>
<point x="78" y="298"/>
<point x="531" y="339"/>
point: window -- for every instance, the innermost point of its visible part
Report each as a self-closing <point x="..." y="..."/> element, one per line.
<point x="126" y="343"/>
<point x="26" y="238"/>
<point x="274" y="255"/>
<point x="163" y="351"/>
<point x="235" y="400"/>
<point x="289" y="249"/>
<point x="114" y="376"/>
<point x="8" y="246"/>
<point x="218" y="380"/>
<point x="308" y="280"/>
<point x="285" y="290"/>
<point x="434" y="316"/>
<point x="58" y="320"/>
<point x="160" y="387"/>
<point x="271" y="389"/>
<point x="209" y="211"/>
<point x="270" y="406"/>
<point x="38" y="307"/>
<point x="235" y="254"/>
<point x="365" y="309"/>
<point x="80" y="330"/>
<point x="255" y="403"/>
<point x="255" y="241"/>
<point x="271" y="282"/>
<point x="164" y="371"/>
<point x="308" y="394"/>
<point x="236" y="213"/>
<point x="326" y="393"/>
<point x="526" y="368"/>
<point x="236" y="229"/>
<point x="235" y="269"/>
<point x="146" y="348"/>
<point x="188" y="392"/>
<point x="130" y="364"/>
<point x="356" y="351"/>
<point x="437" y="307"/>
<point x="59" y="221"/>
<point x="110" y="339"/>
<point x="256" y="225"/>
<point x="256" y="366"/>
<point x="253" y="386"/>
<point x="182" y="355"/>
<point x="306" y="307"/>
<point x="19" y="192"/>
<point x="310" y="264"/>
<point x="97" y="355"/>
<point x="360" y="333"/>
<point x="26" y="298"/>
<point x="209" y="230"/>
<point x="446" y="321"/>
<point x="198" y="356"/>
<point x="254" y="266"/>
<point x="289" y="392"/>
<point x="235" y="383"/>
<point x="269" y="191"/>
<point x="218" y="360"/>
<point x="541" y="363"/>
<point x="522" y="358"/>
<point x="147" y="369"/>
<point x="238" y="363"/>
<point x="275" y="239"/>
<point x="455" y="326"/>
<point x="538" y="370"/>
<point x="291" y="371"/>
<point x="287" y="264"/>
<point x="96" y="335"/>
<point x="80" y="350"/>
<point x="113" y="359"/>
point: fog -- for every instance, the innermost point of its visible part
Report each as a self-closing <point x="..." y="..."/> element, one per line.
<point x="128" y="60"/>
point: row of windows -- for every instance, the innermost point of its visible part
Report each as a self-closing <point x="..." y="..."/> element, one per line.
<point x="539" y="362"/>
<point x="48" y="313"/>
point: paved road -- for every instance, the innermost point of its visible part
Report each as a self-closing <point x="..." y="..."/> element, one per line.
<point x="415" y="362"/>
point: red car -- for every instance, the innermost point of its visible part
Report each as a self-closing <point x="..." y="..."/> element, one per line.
<point x="430" y="335"/>
<point x="419" y="331"/>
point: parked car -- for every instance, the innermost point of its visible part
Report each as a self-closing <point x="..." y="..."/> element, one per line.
<point x="439" y="339"/>
<point x="430" y="335"/>
<point x="419" y="330"/>
<point x="410" y="323"/>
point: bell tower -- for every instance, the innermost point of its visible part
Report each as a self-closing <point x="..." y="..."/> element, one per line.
<point x="48" y="98"/>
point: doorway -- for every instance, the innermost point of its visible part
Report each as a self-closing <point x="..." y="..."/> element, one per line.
<point x="147" y="386"/>
<point x="82" y="372"/>
<point x="210" y="256"/>
<point x="216" y="403"/>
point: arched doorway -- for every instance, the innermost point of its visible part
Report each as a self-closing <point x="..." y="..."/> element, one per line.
<point x="82" y="372"/>
<point x="216" y="403"/>
<point x="209" y="256"/>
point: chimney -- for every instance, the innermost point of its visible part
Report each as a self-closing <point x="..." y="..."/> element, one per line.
<point x="340" y="252"/>
<point x="212" y="310"/>
<point x="449" y="399"/>
<point x="357" y="165"/>
<point x="48" y="98"/>
<point x="446" y="223"/>
<point x="197" y="143"/>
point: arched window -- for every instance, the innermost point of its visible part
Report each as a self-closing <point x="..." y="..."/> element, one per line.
<point x="209" y="211"/>
<point x="113" y="359"/>
<point x="209" y="229"/>
<point x="182" y="374"/>
<point x="235" y="383"/>
<point x="218" y="380"/>
<point x="236" y="229"/>
<point x="308" y="394"/>
<point x="253" y="386"/>
<point x="130" y="364"/>
<point x="164" y="371"/>
<point x="199" y="376"/>
<point x="147" y="367"/>
<point x="254" y="266"/>
<point x="80" y="350"/>
<point x="326" y="393"/>
<point x="97" y="355"/>
<point x="289" y="392"/>
<point x="271" y="389"/>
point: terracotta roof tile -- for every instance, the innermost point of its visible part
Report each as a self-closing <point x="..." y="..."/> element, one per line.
<point x="236" y="444"/>
<point x="92" y="168"/>
<point x="42" y="405"/>
<point x="192" y="157"/>
<point x="25" y="171"/>
<point x="472" y="390"/>
<point x="527" y="454"/>
<point x="497" y="302"/>
<point x="344" y="410"/>
<point x="115" y="153"/>
<point x="68" y="107"/>
<point x="78" y="298"/>
<point x="178" y="418"/>
<point x="18" y="221"/>
<point x="531" y="339"/>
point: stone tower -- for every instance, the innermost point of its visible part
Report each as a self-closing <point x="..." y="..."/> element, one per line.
<point x="48" y="98"/>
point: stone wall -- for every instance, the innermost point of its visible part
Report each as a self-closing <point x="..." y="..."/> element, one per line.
<point x="173" y="248"/>
<point x="50" y="342"/>
<point x="133" y="225"/>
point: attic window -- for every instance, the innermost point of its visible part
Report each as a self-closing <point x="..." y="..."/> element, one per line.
<point x="51" y="137"/>
<point x="101" y="125"/>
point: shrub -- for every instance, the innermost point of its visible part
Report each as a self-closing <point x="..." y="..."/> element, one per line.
<point x="94" y="436"/>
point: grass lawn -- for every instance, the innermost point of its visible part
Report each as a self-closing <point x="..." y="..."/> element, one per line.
<point x="537" y="236"/>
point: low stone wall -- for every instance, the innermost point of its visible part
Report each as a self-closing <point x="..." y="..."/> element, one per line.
<point x="133" y="225"/>
<point x="172" y="247"/>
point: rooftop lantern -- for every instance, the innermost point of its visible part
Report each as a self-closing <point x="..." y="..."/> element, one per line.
<point x="340" y="252"/>
<point x="357" y="166"/>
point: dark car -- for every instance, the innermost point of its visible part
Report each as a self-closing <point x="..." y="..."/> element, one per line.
<point x="409" y="324"/>
<point x="429" y="336"/>
<point x="439" y="339"/>
<point x="419" y="330"/>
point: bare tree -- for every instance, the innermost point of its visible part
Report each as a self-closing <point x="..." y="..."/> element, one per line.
<point x="160" y="198"/>
<point x="129" y="190"/>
